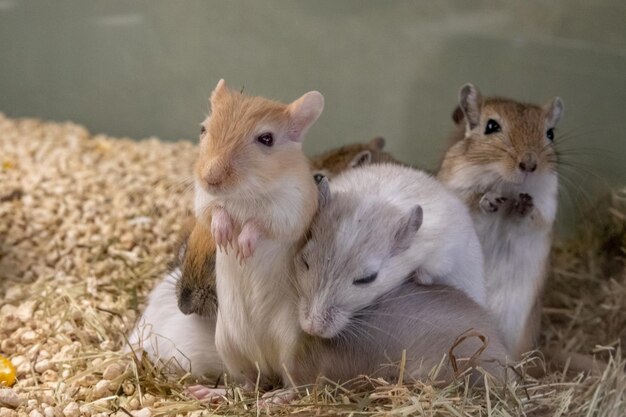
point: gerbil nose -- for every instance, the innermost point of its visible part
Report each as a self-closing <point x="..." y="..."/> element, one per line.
<point x="184" y="301"/>
<point x="215" y="174"/>
<point x="528" y="162"/>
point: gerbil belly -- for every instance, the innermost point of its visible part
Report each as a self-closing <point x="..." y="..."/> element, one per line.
<point x="515" y="261"/>
<point x="257" y="319"/>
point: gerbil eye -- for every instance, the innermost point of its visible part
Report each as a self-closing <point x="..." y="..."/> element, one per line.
<point x="366" y="280"/>
<point x="266" y="139"/>
<point x="492" y="127"/>
<point x="202" y="130"/>
<point x="304" y="262"/>
<point x="550" y="134"/>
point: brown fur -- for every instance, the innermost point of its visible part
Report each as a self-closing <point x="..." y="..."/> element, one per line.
<point x="198" y="254"/>
<point x="195" y="290"/>
<point x="226" y="147"/>
<point x="336" y="160"/>
<point x="519" y="120"/>
<point x="228" y="156"/>
<point x="477" y="162"/>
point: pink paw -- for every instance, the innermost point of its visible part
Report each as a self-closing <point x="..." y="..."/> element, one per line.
<point x="200" y="392"/>
<point x="248" y="239"/>
<point x="221" y="227"/>
<point x="281" y="396"/>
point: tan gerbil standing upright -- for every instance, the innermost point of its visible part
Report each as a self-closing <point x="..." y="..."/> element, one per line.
<point x="195" y="290"/>
<point x="503" y="165"/>
<point x="254" y="180"/>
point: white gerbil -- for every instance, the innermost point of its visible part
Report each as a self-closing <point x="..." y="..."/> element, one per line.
<point x="503" y="165"/>
<point x="184" y="343"/>
<point x="254" y="180"/>
<point x="384" y="222"/>
<point x="363" y="305"/>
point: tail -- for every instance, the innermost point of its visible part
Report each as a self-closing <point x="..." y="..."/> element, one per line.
<point x="569" y="363"/>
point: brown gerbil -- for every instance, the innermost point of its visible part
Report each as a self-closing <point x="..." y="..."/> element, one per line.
<point x="503" y="165"/>
<point x="334" y="161"/>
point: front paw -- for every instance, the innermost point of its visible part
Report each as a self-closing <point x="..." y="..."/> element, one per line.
<point x="524" y="205"/>
<point x="491" y="202"/>
<point x="248" y="239"/>
<point x="221" y="227"/>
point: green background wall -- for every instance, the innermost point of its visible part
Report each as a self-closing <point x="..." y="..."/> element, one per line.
<point x="390" y="68"/>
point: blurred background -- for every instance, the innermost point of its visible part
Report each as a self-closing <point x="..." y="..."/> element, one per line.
<point x="146" y="68"/>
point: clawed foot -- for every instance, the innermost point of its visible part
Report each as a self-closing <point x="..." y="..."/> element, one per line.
<point x="222" y="228"/>
<point x="491" y="202"/>
<point x="247" y="240"/>
<point x="281" y="396"/>
<point x="200" y="392"/>
<point x="524" y="205"/>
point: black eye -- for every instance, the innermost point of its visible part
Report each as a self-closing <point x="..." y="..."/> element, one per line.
<point x="550" y="134"/>
<point x="318" y="178"/>
<point x="365" y="280"/>
<point x="266" y="139"/>
<point x="202" y="130"/>
<point x="492" y="127"/>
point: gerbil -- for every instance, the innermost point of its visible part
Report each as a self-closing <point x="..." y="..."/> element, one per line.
<point x="503" y="166"/>
<point x="254" y="180"/>
<point x="428" y="322"/>
<point x="335" y="161"/>
<point x="183" y="343"/>
<point x="196" y="287"/>
<point x="380" y="224"/>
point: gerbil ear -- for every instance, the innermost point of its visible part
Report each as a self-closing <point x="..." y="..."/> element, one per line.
<point x="323" y="189"/>
<point x="361" y="158"/>
<point x="554" y="111"/>
<point x="471" y="103"/>
<point x="457" y="115"/>
<point x="406" y="232"/>
<point x="219" y="90"/>
<point x="303" y="113"/>
<point x="377" y="144"/>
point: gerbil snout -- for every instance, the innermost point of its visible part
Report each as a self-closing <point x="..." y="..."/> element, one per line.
<point x="528" y="162"/>
<point x="216" y="174"/>
<point x="325" y="322"/>
<point x="184" y="300"/>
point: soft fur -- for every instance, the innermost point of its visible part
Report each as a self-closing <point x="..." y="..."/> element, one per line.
<point x="372" y="224"/>
<point x="183" y="343"/>
<point x="513" y="210"/>
<point x="271" y="192"/>
<point x="426" y="321"/>
<point x="196" y="287"/>
<point x="335" y="161"/>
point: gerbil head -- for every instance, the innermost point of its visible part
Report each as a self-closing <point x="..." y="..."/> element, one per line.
<point x="350" y="259"/>
<point x="247" y="143"/>
<point x="335" y="161"/>
<point x="510" y="140"/>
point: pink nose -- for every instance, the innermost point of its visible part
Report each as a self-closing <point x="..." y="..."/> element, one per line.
<point x="212" y="181"/>
<point x="215" y="174"/>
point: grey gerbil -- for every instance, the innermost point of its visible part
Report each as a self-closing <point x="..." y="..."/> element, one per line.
<point x="434" y="325"/>
<point x="380" y="224"/>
